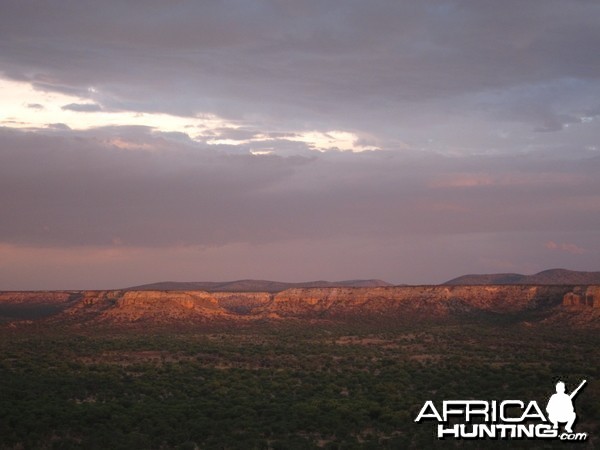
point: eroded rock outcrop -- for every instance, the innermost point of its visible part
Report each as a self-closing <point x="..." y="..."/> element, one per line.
<point x="583" y="297"/>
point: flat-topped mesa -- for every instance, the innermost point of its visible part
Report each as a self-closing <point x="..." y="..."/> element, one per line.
<point x="414" y="303"/>
<point x="427" y="300"/>
<point x="162" y="306"/>
<point x="583" y="297"/>
<point x="148" y="306"/>
<point x="150" y="299"/>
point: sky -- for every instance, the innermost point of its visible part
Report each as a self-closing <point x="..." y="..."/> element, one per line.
<point x="296" y="140"/>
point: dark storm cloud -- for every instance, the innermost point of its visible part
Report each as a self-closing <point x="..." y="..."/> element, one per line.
<point x="68" y="188"/>
<point x="339" y="63"/>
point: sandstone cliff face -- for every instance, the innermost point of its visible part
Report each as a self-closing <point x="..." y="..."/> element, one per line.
<point x="149" y="306"/>
<point x="593" y="296"/>
<point x="163" y="306"/>
<point x="195" y="300"/>
<point x="429" y="300"/>
<point x="582" y="297"/>
<point x="390" y="303"/>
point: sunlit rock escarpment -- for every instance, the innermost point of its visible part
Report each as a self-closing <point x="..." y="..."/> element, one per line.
<point x="146" y="306"/>
<point x="424" y="301"/>
<point x="544" y="304"/>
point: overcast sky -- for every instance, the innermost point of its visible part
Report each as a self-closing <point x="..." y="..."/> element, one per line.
<point x="144" y="141"/>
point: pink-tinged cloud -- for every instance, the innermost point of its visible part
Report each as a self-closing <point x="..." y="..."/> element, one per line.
<point x="565" y="247"/>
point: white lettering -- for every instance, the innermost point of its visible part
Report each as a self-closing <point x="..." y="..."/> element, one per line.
<point x="503" y="406"/>
<point x="447" y="411"/>
<point x="453" y="431"/>
<point x="487" y="430"/>
<point x="545" y="431"/>
<point x="472" y="410"/>
<point x="512" y="414"/>
<point x="535" y="415"/>
<point x="573" y="437"/>
<point x="433" y="415"/>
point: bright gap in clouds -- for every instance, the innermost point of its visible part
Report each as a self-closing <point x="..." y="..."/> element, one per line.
<point x="23" y="106"/>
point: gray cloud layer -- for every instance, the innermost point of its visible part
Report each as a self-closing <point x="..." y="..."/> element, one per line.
<point x="66" y="188"/>
<point x="82" y="107"/>
<point x="407" y="217"/>
<point x="383" y="66"/>
<point x="487" y="113"/>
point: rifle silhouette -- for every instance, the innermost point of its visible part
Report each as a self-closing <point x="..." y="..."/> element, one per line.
<point x="574" y="393"/>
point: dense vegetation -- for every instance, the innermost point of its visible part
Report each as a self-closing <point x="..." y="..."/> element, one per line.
<point x="280" y="387"/>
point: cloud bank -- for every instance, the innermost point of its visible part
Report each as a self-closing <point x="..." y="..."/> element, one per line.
<point x="411" y="141"/>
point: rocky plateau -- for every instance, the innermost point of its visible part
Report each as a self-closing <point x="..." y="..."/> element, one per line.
<point x="525" y="304"/>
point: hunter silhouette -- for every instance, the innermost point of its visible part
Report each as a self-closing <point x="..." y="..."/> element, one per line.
<point x="560" y="407"/>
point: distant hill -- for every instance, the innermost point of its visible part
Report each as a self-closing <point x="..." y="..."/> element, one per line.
<point x="251" y="285"/>
<point x="547" y="277"/>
